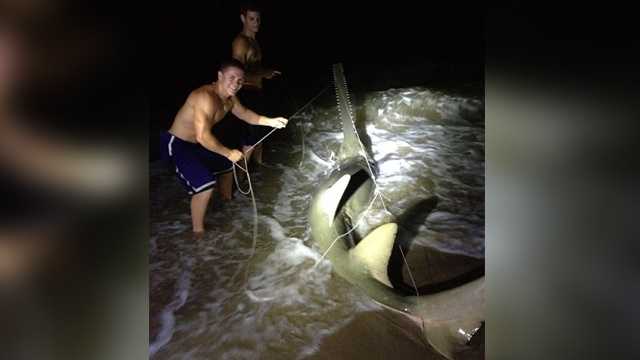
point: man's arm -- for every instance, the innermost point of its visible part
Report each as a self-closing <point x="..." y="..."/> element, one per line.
<point x="239" y="51"/>
<point x="252" y="118"/>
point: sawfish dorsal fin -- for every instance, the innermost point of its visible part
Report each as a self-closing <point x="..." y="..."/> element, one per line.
<point x="374" y="251"/>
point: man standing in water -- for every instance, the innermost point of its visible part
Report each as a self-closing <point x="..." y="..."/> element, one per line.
<point x="199" y="158"/>
<point x="245" y="49"/>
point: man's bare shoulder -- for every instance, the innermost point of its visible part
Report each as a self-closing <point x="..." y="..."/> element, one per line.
<point x="241" y="43"/>
<point x="203" y="98"/>
<point x="202" y="91"/>
<point x="241" y="39"/>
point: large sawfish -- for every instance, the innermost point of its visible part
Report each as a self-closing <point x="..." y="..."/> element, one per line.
<point x="449" y="312"/>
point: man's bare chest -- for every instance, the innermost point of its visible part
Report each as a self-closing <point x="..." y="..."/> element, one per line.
<point x="223" y="110"/>
<point x="254" y="55"/>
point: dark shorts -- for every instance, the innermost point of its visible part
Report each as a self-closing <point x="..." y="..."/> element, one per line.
<point x="196" y="167"/>
<point x="255" y="101"/>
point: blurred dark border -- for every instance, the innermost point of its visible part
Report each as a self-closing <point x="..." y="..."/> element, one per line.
<point x="561" y="113"/>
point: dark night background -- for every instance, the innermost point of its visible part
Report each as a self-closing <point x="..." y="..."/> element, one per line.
<point x="381" y="46"/>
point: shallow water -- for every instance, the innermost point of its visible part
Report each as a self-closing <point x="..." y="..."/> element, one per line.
<point x="222" y="297"/>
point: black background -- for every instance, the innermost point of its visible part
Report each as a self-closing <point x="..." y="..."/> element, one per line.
<point x="402" y="43"/>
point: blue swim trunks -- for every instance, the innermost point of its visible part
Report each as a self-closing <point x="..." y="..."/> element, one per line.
<point x="196" y="167"/>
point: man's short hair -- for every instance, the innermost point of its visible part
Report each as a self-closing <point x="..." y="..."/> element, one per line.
<point x="231" y="63"/>
<point x="249" y="6"/>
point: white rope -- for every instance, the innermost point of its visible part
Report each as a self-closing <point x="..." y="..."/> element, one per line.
<point x="300" y="124"/>
<point x="348" y="232"/>
<point x="292" y="116"/>
<point x="302" y="136"/>
<point x="310" y="101"/>
<point x="255" y="220"/>
<point x="409" y="269"/>
<point x="235" y="177"/>
<point x="253" y="199"/>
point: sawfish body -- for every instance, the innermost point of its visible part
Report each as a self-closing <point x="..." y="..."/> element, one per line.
<point x="450" y="316"/>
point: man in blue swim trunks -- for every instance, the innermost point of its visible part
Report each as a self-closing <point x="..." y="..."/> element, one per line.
<point x="199" y="158"/>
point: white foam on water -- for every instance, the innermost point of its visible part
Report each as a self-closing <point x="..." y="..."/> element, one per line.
<point x="319" y="160"/>
<point x="152" y="244"/>
<point x="284" y="275"/>
<point x="167" y="318"/>
<point x="440" y="216"/>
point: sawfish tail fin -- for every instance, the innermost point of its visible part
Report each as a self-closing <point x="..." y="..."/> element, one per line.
<point x="452" y="320"/>
<point x="452" y="339"/>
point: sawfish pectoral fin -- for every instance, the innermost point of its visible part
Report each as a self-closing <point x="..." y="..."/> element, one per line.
<point x="373" y="252"/>
<point x="331" y="197"/>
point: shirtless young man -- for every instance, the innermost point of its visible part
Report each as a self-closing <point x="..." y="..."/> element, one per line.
<point x="199" y="158"/>
<point x="245" y="48"/>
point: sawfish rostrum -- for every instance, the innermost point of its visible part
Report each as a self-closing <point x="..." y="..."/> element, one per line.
<point x="450" y="312"/>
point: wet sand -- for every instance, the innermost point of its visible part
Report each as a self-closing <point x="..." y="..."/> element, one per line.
<point x="366" y="338"/>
